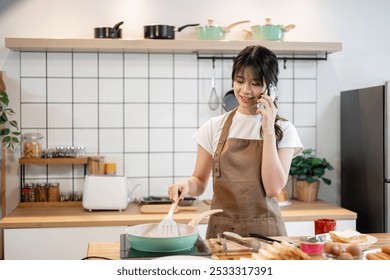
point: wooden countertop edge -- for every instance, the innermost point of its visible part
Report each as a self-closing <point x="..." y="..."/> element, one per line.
<point x="76" y="216"/>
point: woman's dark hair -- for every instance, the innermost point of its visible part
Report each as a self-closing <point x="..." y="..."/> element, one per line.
<point x="264" y="66"/>
<point x="263" y="63"/>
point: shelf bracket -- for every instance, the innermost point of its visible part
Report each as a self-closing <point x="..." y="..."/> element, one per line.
<point x="284" y="58"/>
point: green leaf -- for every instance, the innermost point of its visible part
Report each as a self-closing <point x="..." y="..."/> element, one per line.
<point x="326" y="181"/>
<point x="4" y="98"/>
<point x="14" y="124"/>
<point x="4" y="131"/>
<point x="6" y="139"/>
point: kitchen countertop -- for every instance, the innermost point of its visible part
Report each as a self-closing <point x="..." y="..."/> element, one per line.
<point x="44" y="216"/>
<point x="111" y="250"/>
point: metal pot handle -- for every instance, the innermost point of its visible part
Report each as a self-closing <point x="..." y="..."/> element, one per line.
<point x="195" y="221"/>
<point x="187" y="25"/>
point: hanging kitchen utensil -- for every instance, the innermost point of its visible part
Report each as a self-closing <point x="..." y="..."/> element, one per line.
<point x="215" y="32"/>
<point x="163" y="31"/>
<point x="269" y="31"/>
<point x="109" y="32"/>
<point x="229" y="101"/>
<point x="213" y="99"/>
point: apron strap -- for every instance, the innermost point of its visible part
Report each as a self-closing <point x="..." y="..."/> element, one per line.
<point x="221" y="144"/>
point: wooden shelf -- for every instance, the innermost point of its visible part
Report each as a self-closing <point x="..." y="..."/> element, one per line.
<point x="82" y="160"/>
<point x="167" y="46"/>
<point x="50" y="204"/>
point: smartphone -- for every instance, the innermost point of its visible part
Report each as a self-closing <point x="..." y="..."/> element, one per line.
<point x="273" y="92"/>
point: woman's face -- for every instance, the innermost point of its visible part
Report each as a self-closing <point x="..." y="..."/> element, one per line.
<point x="247" y="91"/>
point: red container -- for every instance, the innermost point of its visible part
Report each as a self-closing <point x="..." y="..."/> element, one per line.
<point x="324" y="225"/>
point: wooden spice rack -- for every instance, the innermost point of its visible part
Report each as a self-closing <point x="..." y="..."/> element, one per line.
<point x="81" y="160"/>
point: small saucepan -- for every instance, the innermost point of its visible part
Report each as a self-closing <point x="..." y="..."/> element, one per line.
<point x="269" y="31"/>
<point x="141" y="237"/>
<point x="109" y="32"/>
<point x="215" y="32"/>
<point x="163" y="31"/>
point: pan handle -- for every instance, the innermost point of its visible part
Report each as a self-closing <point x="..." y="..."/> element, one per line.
<point x="187" y="25"/>
<point x="195" y="221"/>
<point x="116" y="26"/>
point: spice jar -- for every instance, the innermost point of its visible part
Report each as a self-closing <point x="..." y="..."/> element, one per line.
<point x="110" y="168"/>
<point x="32" y="145"/>
<point x="41" y="192"/>
<point x="31" y="191"/>
<point x="25" y="194"/>
<point x="53" y="192"/>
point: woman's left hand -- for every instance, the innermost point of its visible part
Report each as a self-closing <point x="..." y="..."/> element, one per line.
<point x="268" y="111"/>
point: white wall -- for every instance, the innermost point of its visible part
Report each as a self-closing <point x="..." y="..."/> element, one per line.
<point x="360" y="25"/>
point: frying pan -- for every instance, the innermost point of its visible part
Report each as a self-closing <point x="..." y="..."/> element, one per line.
<point x="141" y="237"/>
<point x="163" y="31"/>
<point x="229" y="101"/>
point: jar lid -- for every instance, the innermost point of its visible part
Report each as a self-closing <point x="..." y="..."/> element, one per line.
<point x="32" y="136"/>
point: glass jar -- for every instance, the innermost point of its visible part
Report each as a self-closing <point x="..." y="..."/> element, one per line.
<point x="110" y="168"/>
<point x="41" y="192"/>
<point x="25" y="194"/>
<point x="32" y="145"/>
<point x="31" y="191"/>
<point x="53" y="192"/>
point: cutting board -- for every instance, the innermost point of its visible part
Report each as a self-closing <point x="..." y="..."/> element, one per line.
<point x="164" y="208"/>
<point x="231" y="246"/>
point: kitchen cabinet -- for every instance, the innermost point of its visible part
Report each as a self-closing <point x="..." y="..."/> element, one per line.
<point x="65" y="232"/>
<point x="168" y="46"/>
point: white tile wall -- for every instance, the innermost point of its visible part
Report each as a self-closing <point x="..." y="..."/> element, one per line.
<point x="140" y="110"/>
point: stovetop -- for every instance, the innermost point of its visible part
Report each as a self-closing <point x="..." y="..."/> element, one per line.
<point x="126" y="252"/>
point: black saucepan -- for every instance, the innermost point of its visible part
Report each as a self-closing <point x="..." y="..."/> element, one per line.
<point x="109" y="32"/>
<point x="163" y="31"/>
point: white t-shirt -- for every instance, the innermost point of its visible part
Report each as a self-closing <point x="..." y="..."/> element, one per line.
<point x="244" y="127"/>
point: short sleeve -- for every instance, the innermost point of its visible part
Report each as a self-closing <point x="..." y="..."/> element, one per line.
<point x="204" y="136"/>
<point x="290" y="138"/>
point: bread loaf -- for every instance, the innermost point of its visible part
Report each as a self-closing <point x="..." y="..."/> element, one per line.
<point x="348" y="236"/>
<point x="386" y="249"/>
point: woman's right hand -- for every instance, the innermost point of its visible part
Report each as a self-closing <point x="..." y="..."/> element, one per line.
<point x="179" y="190"/>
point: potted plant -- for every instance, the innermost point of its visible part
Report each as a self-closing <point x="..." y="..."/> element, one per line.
<point x="307" y="171"/>
<point x="8" y="128"/>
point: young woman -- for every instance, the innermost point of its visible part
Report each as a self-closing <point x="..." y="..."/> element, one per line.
<point x="248" y="151"/>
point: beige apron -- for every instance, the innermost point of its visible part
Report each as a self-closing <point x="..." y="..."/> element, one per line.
<point x="239" y="191"/>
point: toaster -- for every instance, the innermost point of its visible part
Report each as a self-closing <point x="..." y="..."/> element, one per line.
<point x="102" y="192"/>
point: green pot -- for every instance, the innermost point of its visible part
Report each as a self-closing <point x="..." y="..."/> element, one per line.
<point x="214" y="32"/>
<point x="270" y="32"/>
